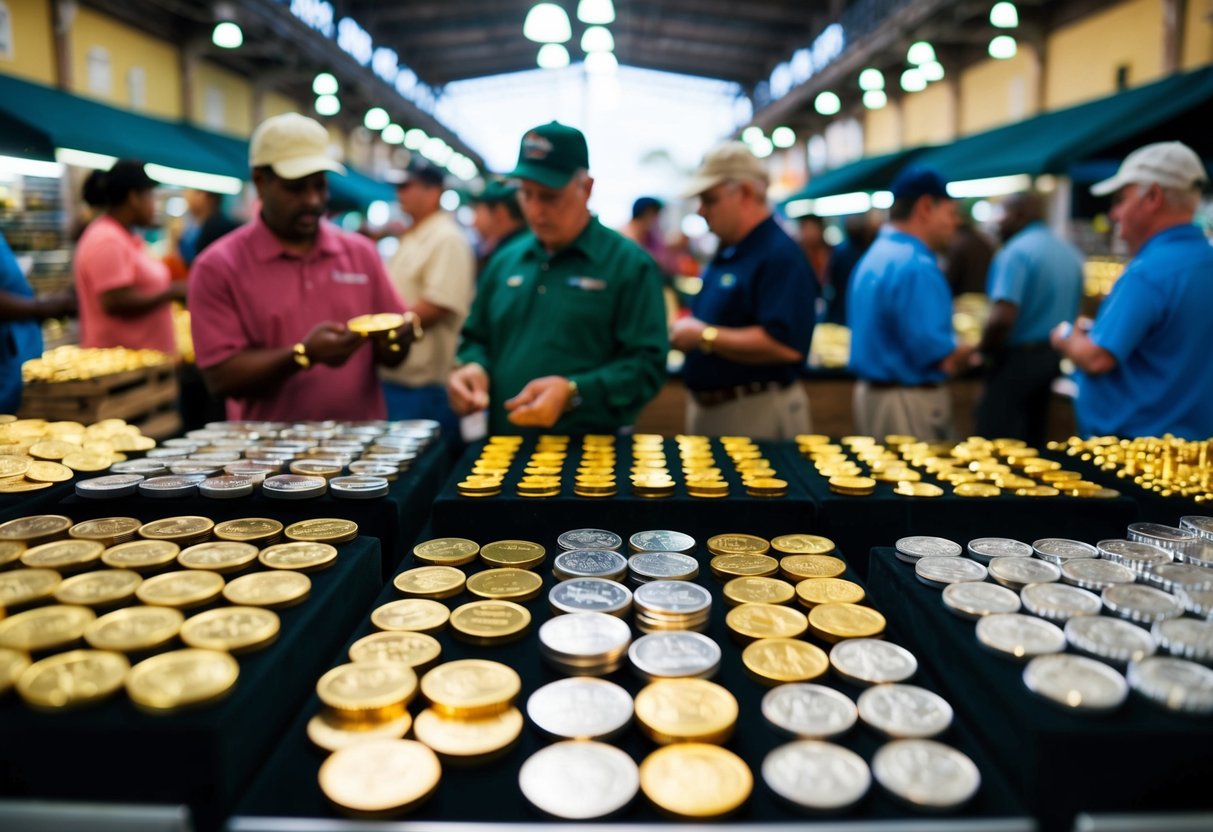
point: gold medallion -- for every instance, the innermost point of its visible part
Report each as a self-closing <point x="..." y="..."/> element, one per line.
<point x="274" y="589"/>
<point x="417" y="650"/>
<point x="304" y="557"/>
<point x="754" y="621"/>
<point x="696" y="780"/>
<point x="737" y="544"/>
<point x="375" y="323"/>
<point x="766" y="487"/>
<point x="108" y="531"/>
<point x="181" y="679"/>
<point x="181" y="589"/>
<point x="917" y="489"/>
<point x="332" y="733"/>
<point x="446" y="551"/>
<point x="45" y="628"/>
<point x="414" y="615"/>
<point x="686" y="710"/>
<point x="814" y="591"/>
<point x="774" y="661"/>
<point x="725" y="567"/>
<point x="520" y="554"/>
<point x="52" y="449"/>
<point x="177" y="529"/>
<point x="87" y="461"/>
<point x="19" y="587"/>
<point x="134" y="629"/>
<point x="505" y="584"/>
<point x="757" y="590"/>
<point x="72" y="679"/>
<point x="141" y="555"/>
<point x="39" y="528"/>
<point x="368" y="691"/>
<point x="63" y="555"/>
<point x="490" y="622"/>
<point x="255" y="530"/>
<point x="99" y="589"/>
<point x="802" y="544"/>
<point x="10" y="552"/>
<point x="221" y="556"/>
<point x="380" y="777"/>
<point x="835" y="622"/>
<point x="13" y="466"/>
<point x="798" y="567"/>
<point x="233" y="629"/>
<point x="1037" y="491"/>
<point x="471" y="688"/>
<point x="976" y="489"/>
<point x="48" y="472"/>
<point x="434" y="582"/>
<point x="322" y="530"/>
<point x="468" y="740"/>
<point x="12" y="664"/>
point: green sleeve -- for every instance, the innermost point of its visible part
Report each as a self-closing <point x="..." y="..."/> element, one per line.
<point x="474" y="338"/>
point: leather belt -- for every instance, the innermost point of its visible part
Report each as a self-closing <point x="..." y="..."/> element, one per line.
<point x="708" y="398"/>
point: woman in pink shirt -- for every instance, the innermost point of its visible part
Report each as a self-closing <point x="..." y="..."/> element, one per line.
<point x="124" y="293"/>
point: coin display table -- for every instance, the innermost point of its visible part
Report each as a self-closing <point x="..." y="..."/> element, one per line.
<point x="1151" y="506"/>
<point x="26" y="503"/>
<point x="205" y="757"/>
<point x="1139" y="758"/>
<point x="489" y="792"/>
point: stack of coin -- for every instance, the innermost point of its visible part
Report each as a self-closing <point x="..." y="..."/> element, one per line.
<point x="757" y="474"/>
<point x="644" y="567"/>
<point x="852" y="486"/>
<point x="671" y="605"/>
<point x="294" y="487"/>
<point x="700" y="473"/>
<point x="597" y="539"/>
<point x="650" y="472"/>
<point x="418" y="650"/>
<point x="298" y="556"/>
<point x="490" y="467"/>
<point x="739" y="555"/>
<point x="73" y="363"/>
<point x="589" y="563"/>
<point x="910" y="549"/>
<point x="35" y="529"/>
<point x="835" y="622"/>
<point x="1179" y="542"/>
<point x="109" y="487"/>
<point x="490" y="622"/>
<point x="143" y="556"/>
<point x="64" y="556"/>
<point x="433" y="582"/>
<point x="259" y="531"/>
<point x="662" y="540"/>
<point x="595" y="473"/>
<point x="797" y="568"/>
<point x="412" y="615"/>
<point x="109" y="531"/>
<point x="686" y="710"/>
<point x="1167" y="466"/>
<point x="584" y="643"/>
<point x="35" y="453"/>
<point x="590" y="595"/>
<point x="674" y="654"/>
<point x="515" y="554"/>
<point x="363" y="700"/>
<point x="446" y="551"/>
<point x="471" y="718"/>
<point x="184" y="531"/>
<point x="542" y="475"/>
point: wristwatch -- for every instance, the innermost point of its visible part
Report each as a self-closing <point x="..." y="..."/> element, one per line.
<point x="574" y="399"/>
<point x="707" y="341"/>
<point x="299" y="353"/>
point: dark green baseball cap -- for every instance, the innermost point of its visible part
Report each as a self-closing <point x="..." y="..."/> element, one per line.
<point x="496" y="191"/>
<point x="551" y="154"/>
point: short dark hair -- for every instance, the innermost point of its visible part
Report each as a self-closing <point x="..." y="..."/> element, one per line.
<point x="107" y="188"/>
<point x="645" y="204"/>
<point x="813" y="219"/>
<point x="904" y="207"/>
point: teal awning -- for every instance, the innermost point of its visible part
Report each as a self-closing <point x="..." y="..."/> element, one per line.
<point x="872" y="173"/>
<point x="355" y="191"/>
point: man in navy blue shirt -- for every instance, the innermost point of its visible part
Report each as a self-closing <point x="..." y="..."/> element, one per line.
<point x="752" y="321"/>
<point x="903" y="347"/>
<point x="1144" y="364"/>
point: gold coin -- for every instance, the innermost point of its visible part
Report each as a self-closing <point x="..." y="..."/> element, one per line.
<point x="774" y="661"/>
<point x="446" y="551"/>
<point x="181" y="589"/>
<point x="106" y="530"/>
<point x="490" y="622"/>
<point x="471" y="688"/>
<point x="917" y="489"/>
<point x="1097" y="494"/>
<point x="19" y="587"/>
<point x="520" y="554"/>
<point x="248" y="529"/>
<point x="52" y="449"/>
<point x="798" y="567"/>
<point x="181" y="679"/>
<point x="1037" y="491"/>
<point x="332" y="733"/>
<point x="809" y="440"/>
<point x="853" y="483"/>
<point x="976" y="489"/>
<point x="814" y="591"/>
<point x="10" y="552"/>
<point x="322" y="530"/>
<point x="466" y="740"/>
<point x="100" y="588"/>
<point x="430" y="582"/>
<point x="48" y="472"/>
<point x="134" y="629"/>
<point x="12" y="664"/>
<point x="416" y="615"/>
<point x="765" y="485"/>
<point x="141" y="555"/>
<point x="368" y="690"/>
<point x="374" y="323"/>
<point x="686" y="710"/>
<point x="63" y="555"/>
<point x="696" y="780"/>
<point x="737" y="544"/>
<point x="218" y="556"/>
<point x="417" y="650"/>
<point x="298" y="555"/>
<point x="72" y="679"/>
<point x="505" y="584"/>
<point x="1052" y="477"/>
<point x="380" y="777"/>
<point x="757" y="590"/>
<point x="835" y="622"/>
<point x="802" y="544"/>
<point x="895" y="440"/>
<point x="87" y="461"/>
<point x="273" y="589"/>
<point x="731" y="566"/>
<point x="754" y="621"/>
<point x="13" y="466"/>
<point x="14" y="486"/>
<point x="234" y="629"/>
<point x="38" y="528"/>
<point x="45" y="628"/>
<point x="177" y="529"/>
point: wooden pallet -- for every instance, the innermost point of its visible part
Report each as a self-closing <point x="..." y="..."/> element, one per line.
<point x="138" y="396"/>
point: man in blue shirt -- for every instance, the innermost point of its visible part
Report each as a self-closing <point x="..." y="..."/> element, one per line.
<point x="1145" y="368"/>
<point x="899" y="308"/>
<point x="1035" y="283"/>
<point x="752" y="321"/>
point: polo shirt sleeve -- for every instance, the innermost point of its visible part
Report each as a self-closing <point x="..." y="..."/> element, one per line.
<point x="474" y="337"/>
<point x="786" y="300"/>
<point x="924" y="316"/>
<point x="449" y="276"/>
<point x="1008" y="276"/>
<point x="108" y="262"/>
<point x="1127" y="315"/>
<point x="214" y="321"/>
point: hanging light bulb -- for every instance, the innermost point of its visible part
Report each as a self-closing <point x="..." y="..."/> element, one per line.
<point x="752" y="134"/>
<point x="932" y="71"/>
<point x="920" y="52"/>
<point x="912" y="80"/>
<point x="553" y="56"/>
<point x="827" y="103"/>
<point x="328" y="105"/>
<point x="376" y="119"/>
<point x="875" y="99"/>
<point x="783" y="136"/>
<point x="871" y="79"/>
<point x="392" y="134"/>
<point x="1003" y="47"/>
<point x="227" y="35"/>
<point x="598" y="12"/>
<point x="1004" y="16"/>
<point x="415" y="138"/>
<point x="325" y="84"/>
<point x="547" y="23"/>
<point x="597" y="39"/>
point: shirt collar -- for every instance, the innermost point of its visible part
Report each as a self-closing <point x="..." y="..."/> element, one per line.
<point x="266" y="247"/>
<point x="899" y="236"/>
<point x="590" y="243"/>
<point x="750" y="241"/>
<point x="1175" y="232"/>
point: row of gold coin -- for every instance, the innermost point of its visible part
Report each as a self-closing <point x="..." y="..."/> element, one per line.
<point x="1167" y="466"/>
<point x="73" y="363"/>
<point x="650" y="473"/>
<point x="595" y="477"/>
<point x="35" y="453"/>
<point x="490" y="467"/>
<point x="541" y="475"/>
<point x="757" y="474"/>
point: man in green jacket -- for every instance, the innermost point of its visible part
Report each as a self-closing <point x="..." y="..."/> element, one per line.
<point x="568" y="329"/>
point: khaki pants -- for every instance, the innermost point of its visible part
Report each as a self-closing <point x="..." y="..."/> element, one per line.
<point x="914" y="411"/>
<point x="771" y="414"/>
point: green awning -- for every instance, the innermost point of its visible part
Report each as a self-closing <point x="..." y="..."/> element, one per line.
<point x="872" y="173"/>
<point x="356" y="190"/>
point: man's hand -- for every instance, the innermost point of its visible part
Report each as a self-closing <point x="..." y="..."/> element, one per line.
<point x="686" y="334"/>
<point x="331" y="343"/>
<point x="959" y="360"/>
<point x="468" y="389"/>
<point x="391" y="346"/>
<point x="539" y="404"/>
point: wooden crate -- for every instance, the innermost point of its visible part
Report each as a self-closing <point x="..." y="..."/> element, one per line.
<point x="146" y="397"/>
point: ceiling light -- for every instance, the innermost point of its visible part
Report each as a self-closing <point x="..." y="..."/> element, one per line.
<point x="932" y="71"/>
<point x="392" y="134"/>
<point x="783" y="137"/>
<point x="328" y="105"/>
<point x="920" y="52"/>
<point x="762" y="148"/>
<point x="437" y="151"/>
<point x="912" y="81"/>
<point x="1003" y="47"/>
<point x="415" y="138"/>
<point x="752" y="134"/>
<point x="597" y="39"/>
<point x="601" y="63"/>
<point x="553" y="56"/>
<point x="547" y="23"/>
<point x="827" y="103"/>
<point x="871" y="79"/>
<point x="600" y="12"/>
<point x="227" y="35"/>
<point x="325" y="84"/>
<point x="1004" y="16"/>
<point x="449" y="200"/>
<point x="376" y="119"/>
<point x="875" y="99"/>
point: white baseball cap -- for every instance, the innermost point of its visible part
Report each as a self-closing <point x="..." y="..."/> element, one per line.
<point x="731" y="160"/>
<point x="1169" y="164"/>
<point x="293" y="146"/>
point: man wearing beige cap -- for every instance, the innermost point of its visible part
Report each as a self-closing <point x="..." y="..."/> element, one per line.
<point x="752" y="321"/>
<point x="1144" y="362"/>
<point x="269" y="301"/>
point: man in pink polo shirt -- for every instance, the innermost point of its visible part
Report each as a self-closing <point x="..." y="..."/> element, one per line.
<point x="269" y="301"/>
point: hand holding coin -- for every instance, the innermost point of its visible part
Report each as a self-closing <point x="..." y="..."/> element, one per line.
<point x="468" y="389"/>
<point x="331" y="343"/>
<point x="540" y="403"/>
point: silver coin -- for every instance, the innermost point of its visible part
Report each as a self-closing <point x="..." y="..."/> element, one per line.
<point x="293" y="487"/>
<point x="1197" y="525"/>
<point x="1109" y="639"/>
<point x="923" y="546"/>
<point x="1176" y="684"/>
<point x="675" y="654"/>
<point x="1076" y="683"/>
<point x="975" y="600"/>
<point x="254" y="472"/>
<point x="817" y="775"/>
<point x="1198" y="555"/>
<point x="1186" y="638"/>
<point x="1196" y="601"/>
<point x="1016" y="573"/>
<point x="985" y="549"/>
<point x="584" y="637"/>
<point x="926" y="773"/>
<point x="373" y="469"/>
<point x="681" y="598"/>
<point x="1143" y="604"/>
<point x="144" y="467"/>
<point x="589" y="539"/>
<point x="1020" y="636"/>
<point x="589" y="563"/>
<point x="1136" y="555"/>
<point x="656" y="566"/>
<point x="1059" y="602"/>
<point x="108" y="487"/>
<point x="579" y="780"/>
<point x="940" y="572"/>
<point x="1172" y="576"/>
<point x="216" y="457"/>
<point x="871" y="661"/>
<point x="809" y="711"/>
<point x="166" y="455"/>
<point x="227" y="487"/>
<point x="1058" y="550"/>
<point x="189" y="444"/>
<point x="590" y="595"/>
<point x="660" y="540"/>
<point x="580" y="708"/>
<point x="206" y="469"/>
<point x="1171" y="538"/>
<point x="358" y="487"/>
<point x="1096" y="573"/>
<point x="904" y="711"/>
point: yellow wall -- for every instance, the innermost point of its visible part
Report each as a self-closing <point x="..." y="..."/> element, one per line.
<point x="929" y="116"/>
<point x="1197" y="47"/>
<point x="127" y="48"/>
<point x="988" y="92"/>
<point x="1082" y="58"/>
<point x="882" y="130"/>
<point x="237" y="99"/>
<point x="33" y="55"/>
<point x="276" y="103"/>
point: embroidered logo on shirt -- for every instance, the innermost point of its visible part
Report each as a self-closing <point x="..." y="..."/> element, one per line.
<point x="514" y="281"/>
<point x="351" y="277"/>
<point x="587" y="284"/>
<point x="728" y="280"/>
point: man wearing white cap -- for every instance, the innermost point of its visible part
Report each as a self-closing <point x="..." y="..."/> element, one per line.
<point x="1144" y="363"/>
<point x="269" y="301"/>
